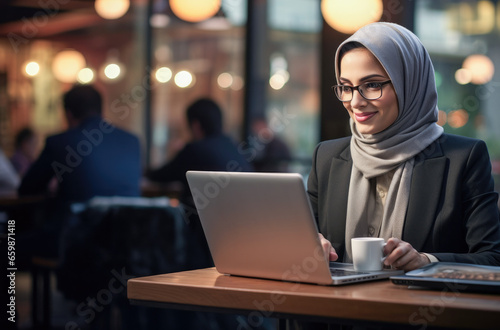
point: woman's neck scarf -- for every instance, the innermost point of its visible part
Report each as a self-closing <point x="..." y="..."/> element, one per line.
<point x="410" y="69"/>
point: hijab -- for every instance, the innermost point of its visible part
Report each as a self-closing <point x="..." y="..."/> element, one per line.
<point x="410" y="69"/>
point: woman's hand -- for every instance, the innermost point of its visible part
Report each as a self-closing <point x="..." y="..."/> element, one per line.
<point x="401" y="255"/>
<point x="328" y="248"/>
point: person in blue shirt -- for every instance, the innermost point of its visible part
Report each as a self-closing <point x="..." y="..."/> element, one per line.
<point x="209" y="150"/>
<point x="91" y="158"/>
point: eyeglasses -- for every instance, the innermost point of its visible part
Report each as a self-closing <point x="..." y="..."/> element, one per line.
<point x="369" y="91"/>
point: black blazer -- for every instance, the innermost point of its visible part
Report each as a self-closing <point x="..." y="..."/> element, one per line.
<point x="452" y="212"/>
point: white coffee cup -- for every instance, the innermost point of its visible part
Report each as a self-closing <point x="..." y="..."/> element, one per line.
<point x="367" y="253"/>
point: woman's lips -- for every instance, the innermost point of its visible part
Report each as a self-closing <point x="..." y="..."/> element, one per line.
<point x="364" y="116"/>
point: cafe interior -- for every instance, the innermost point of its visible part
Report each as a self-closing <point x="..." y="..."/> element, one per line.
<point x="257" y="58"/>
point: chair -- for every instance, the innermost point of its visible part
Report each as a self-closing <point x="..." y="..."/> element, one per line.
<point x="110" y="239"/>
<point x="41" y="270"/>
<point x="29" y="213"/>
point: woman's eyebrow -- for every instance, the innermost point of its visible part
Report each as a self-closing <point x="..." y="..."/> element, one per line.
<point x="376" y="75"/>
<point x="366" y="78"/>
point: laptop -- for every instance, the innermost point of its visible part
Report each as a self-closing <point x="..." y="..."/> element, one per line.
<point x="454" y="277"/>
<point x="261" y="225"/>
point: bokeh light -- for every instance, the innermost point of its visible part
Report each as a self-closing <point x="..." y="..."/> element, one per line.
<point x="348" y="16"/>
<point x="458" y="118"/>
<point x="85" y="76"/>
<point x="225" y="80"/>
<point x="159" y="20"/>
<point x="183" y="79"/>
<point x="32" y="68"/>
<point x="441" y="118"/>
<point x="67" y="64"/>
<point x="111" y="9"/>
<point x="277" y="81"/>
<point x="163" y="75"/>
<point x="463" y="76"/>
<point x="195" y="10"/>
<point x="112" y="71"/>
<point x="481" y="68"/>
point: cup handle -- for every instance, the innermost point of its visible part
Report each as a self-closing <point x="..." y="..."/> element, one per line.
<point x="383" y="258"/>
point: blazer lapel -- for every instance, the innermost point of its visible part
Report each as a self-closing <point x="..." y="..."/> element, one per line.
<point x="425" y="191"/>
<point x="340" y="170"/>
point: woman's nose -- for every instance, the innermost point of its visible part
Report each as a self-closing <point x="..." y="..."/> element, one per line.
<point x="357" y="100"/>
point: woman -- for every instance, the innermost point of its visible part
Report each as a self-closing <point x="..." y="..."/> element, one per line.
<point x="429" y="194"/>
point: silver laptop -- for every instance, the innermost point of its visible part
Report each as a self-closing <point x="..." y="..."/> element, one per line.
<point x="261" y="225"/>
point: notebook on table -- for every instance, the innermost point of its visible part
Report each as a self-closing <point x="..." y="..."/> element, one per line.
<point x="451" y="276"/>
<point x="261" y="225"/>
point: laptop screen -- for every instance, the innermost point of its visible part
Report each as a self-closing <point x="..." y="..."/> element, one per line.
<point x="259" y="224"/>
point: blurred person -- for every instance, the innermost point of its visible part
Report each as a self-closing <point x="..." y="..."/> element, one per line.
<point x="209" y="150"/>
<point x="271" y="153"/>
<point x="25" y="150"/>
<point x="429" y="194"/>
<point x="91" y="158"/>
<point x="9" y="179"/>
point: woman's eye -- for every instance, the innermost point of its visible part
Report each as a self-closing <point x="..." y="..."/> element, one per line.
<point x="372" y="85"/>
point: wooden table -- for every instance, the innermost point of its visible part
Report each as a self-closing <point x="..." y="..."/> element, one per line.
<point x="14" y="200"/>
<point x="378" y="303"/>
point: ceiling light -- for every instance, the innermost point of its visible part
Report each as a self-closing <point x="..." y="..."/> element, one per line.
<point x="348" y="16"/>
<point x="195" y="10"/>
<point x="111" y="9"/>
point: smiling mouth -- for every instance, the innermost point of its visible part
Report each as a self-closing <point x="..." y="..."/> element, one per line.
<point x="364" y="116"/>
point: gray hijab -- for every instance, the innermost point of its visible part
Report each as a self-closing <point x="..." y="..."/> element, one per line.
<point x="410" y="69"/>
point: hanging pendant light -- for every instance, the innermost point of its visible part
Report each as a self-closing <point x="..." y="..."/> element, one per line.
<point x="111" y="9"/>
<point x="67" y="64"/>
<point x="348" y="16"/>
<point x="195" y="10"/>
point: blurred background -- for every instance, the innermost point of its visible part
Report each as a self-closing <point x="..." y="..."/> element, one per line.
<point x="269" y="59"/>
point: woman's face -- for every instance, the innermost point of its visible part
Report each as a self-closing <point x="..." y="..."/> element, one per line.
<point x="359" y="66"/>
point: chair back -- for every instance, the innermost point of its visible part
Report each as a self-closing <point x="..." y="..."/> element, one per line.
<point x="116" y="238"/>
